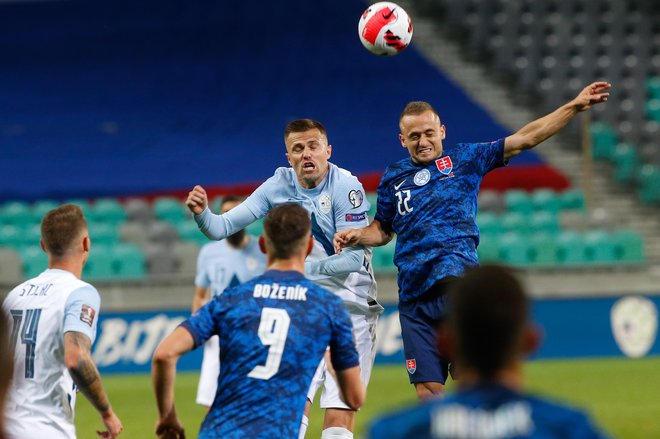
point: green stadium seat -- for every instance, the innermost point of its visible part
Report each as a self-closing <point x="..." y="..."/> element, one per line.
<point x="628" y="246"/>
<point x="648" y="178"/>
<point x="31" y="235"/>
<point x="129" y="262"/>
<point x="17" y="213"/>
<point x="41" y="208"/>
<point x="544" y="249"/>
<point x="488" y="250"/>
<point x="373" y="201"/>
<point x="571" y="250"/>
<point x="171" y="209"/>
<point x="215" y="204"/>
<point x="107" y="210"/>
<point x="599" y="247"/>
<point x="35" y="260"/>
<point x="515" y="249"/>
<point x="10" y="236"/>
<point x="256" y="228"/>
<point x="653" y="87"/>
<point x="188" y="231"/>
<point x="515" y="222"/>
<point x="518" y="201"/>
<point x="604" y="140"/>
<point x="489" y="224"/>
<point x="546" y="200"/>
<point x="626" y="162"/>
<point x="383" y="258"/>
<point x="572" y="199"/>
<point x="100" y="264"/>
<point x="544" y="222"/>
<point x="103" y="233"/>
<point x="653" y="109"/>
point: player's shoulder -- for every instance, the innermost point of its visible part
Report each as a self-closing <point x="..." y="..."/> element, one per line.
<point x="408" y="422"/>
<point x="211" y="248"/>
<point x="342" y="177"/>
<point x="283" y="173"/>
<point x="397" y="168"/>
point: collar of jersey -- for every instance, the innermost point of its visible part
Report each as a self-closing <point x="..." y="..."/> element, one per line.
<point x="283" y="274"/>
<point x="315" y="190"/>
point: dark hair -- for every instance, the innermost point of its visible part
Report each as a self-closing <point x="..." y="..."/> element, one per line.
<point x="231" y="199"/>
<point x="416" y="108"/>
<point x="302" y="125"/>
<point x="286" y="229"/>
<point x="61" y="227"/>
<point x="488" y="311"/>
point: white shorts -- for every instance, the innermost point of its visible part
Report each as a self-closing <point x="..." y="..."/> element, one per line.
<point x="364" y="333"/>
<point x="208" y="378"/>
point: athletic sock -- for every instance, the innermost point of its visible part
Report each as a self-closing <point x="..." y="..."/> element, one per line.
<point x="303" y="427"/>
<point x="336" y="433"/>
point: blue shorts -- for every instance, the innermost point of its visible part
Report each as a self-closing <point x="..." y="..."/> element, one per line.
<point x="420" y="319"/>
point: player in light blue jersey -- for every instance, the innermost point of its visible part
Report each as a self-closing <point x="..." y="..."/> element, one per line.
<point x="429" y="201"/>
<point x="335" y="200"/>
<point x="273" y="332"/>
<point x="221" y="265"/>
<point x="53" y="320"/>
<point x="489" y="334"/>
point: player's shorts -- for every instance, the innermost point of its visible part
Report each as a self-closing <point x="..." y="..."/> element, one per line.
<point x="364" y="333"/>
<point x="420" y="319"/>
<point x="208" y="378"/>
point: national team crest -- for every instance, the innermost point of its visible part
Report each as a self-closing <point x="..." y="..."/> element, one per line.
<point x="411" y="366"/>
<point x="444" y="165"/>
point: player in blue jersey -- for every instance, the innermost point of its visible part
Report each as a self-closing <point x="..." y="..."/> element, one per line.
<point x="429" y="201"/>
<point x="273" y="332"/>
<point x="489" y="334"/>
<point x="335" y="200"/>
<point x="221" y="265"/>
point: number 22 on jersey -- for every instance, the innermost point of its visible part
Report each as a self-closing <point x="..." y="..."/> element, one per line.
<point x="273" y="331"/>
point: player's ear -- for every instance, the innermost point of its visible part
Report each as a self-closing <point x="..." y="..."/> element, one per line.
<point x="401" y="140"/>
<point x="531" y="341"/>
<point x="310" y="246"/>
<point x="262" y="244"/>
<point x="43" y="246"/>
<point x="443" y="132"/>
<point x="288" y="159"/>
<point x="329" y="151"/>
<point x="86" y="243"/>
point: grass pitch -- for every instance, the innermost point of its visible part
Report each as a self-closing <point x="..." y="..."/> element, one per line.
<point x="621" y="394"/>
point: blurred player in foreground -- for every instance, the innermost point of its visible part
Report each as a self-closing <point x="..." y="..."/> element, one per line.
<point x="6" y="368"/>
<point x="221" y="265"/>
<point x="335" y="200"/>
<point x="273" y="332"/>
<point x="430" y="201"/>
<point x="489" y="333"/>
<point x="53" y="322"/>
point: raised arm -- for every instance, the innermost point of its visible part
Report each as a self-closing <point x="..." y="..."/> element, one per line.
<point x="163" y="371"/>
<point x="541" y="129"/>
<point x="83" y="371"/>
<point x="372" y="236"/>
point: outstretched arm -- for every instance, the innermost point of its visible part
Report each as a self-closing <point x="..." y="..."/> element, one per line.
<point x="541" y="129"/>
<point x="373" y="236"/>
<point x="83" y="371"/>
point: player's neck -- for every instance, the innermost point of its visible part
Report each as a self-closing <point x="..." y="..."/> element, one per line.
<point x="510" y="377"/>
<point x="286" y="265"/>
<point x="74" y="267"/>
<point x="311" y="184"/>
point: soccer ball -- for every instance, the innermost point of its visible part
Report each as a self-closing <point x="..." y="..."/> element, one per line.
<point x="385" y="29"/>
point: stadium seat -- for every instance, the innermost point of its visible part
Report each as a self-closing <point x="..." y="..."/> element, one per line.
<point x="215" y="203"/>
<point x="138" y="210"/>
<point x="256" y="228"/>
<point x="170" y="209"/>
<point x="129" y="262"/>
<point x="41" y="208"/>
<point x="628" y="246"/>
<point x="546" y="200"/>
<point x="489" y="224"/>
<point x="185" y="254"/>
<point x="572" y="199"/>
<point x="544" y="249"/>
<point x="11" y="267"/>
<point x="10" y="236"/>
<point x="160" y="259"/>
<point x="653" y="87"/>
<point x="107" y="210"/>
<point x="626" y="162"/>
<point x="100" y="264"/>
<point x="16" y="213"/>
<point x="599" y="247"/>
<point x="161" y="232"/>
<point x="518" y="201"/>
<point x="133" y="232"/>
<point x="653" y="109"/>
<point x="544" y="222"/>
<point x="103" y="233"/>
<point x="515" y="222"/>
<point x="31" y="235"/>
<point x="604" y="140"/>
<point x="648" y="178"/>
<point x="571" y="250"/>
<point x="488" y="250"/>
<point x="34" y="260"/>
<point x="515" y="249"/>
<point x="490" y="201"/>
<point x="383" y="258"/>
<point x="188" y="231"/>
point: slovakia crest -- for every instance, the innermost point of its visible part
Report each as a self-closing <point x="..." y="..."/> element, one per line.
<point x="411" y="366"/>
<point x="445" y="166"/>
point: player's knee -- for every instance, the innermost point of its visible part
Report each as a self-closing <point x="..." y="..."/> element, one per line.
<point x="336" y="433"/>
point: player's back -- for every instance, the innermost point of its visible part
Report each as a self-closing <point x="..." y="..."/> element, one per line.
<point x="273" y="331"/>
<point x="488" y="412"/>
<point x="42" y="394"/>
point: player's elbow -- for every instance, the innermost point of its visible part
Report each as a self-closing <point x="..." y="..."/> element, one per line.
<point x="356" y="397"/>
<point x="163" y="355"/>
<point x="72" y="359"/>
<point x="352" y="389"/>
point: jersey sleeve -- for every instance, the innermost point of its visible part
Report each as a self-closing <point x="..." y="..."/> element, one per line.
<point x="259" y="202"/>
<point x="81" y="311"/>
<point x="488" y="156"/>
<point x="201" y="274"/>
<point x="385" y="205"/>
<point x="342" y="346"/>
<point x="350" y="204"/>
<point x="203" y="324"/>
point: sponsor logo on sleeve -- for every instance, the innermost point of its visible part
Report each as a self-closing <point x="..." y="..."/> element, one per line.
<point x="355" y="217"/>
<point x="87" y="314"/>
<point x="356" y="198"/>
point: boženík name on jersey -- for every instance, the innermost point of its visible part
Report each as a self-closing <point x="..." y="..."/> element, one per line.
<point x="277" y="291"/>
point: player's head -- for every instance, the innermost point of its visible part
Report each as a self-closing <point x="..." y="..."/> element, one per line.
<point x="64" y="234"/>
<point x="227" y="204"/>
<point x="6" y="365"/>
<point x="421" y="132"/>
<point x="488" y="328"/>
<point x="307" y="150"/>
<point x="287" y="233"/>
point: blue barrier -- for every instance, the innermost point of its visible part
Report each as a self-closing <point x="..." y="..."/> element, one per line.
<point x="573" y="328"/>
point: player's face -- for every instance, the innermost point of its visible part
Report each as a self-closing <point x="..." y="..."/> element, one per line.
<point x="308" y="153"/>
<point x="422" y="135"/>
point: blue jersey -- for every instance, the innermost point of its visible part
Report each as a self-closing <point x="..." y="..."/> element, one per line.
<point x="432" y="209"/>
<point x="273" y="331"/>
<point x="221" y="266"/>
<point x="487" y="412"/>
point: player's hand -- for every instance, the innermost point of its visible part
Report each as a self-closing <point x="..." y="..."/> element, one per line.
<point x="346" y="238"/>
<point x="169" y="427"/>
<point x="197" y="200"/>
<point x="112" y="424"/>
<point x="594" y="93"/>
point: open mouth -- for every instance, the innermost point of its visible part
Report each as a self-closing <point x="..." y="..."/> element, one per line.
<point x="424" y="150"/>
<point x="308" y="166"/>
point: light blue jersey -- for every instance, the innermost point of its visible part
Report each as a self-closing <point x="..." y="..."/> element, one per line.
<point x="337" y="203"/>
<point x="221" y="266"/>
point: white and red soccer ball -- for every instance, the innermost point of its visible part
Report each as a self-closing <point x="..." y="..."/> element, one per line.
<point x="385" y="29"/>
